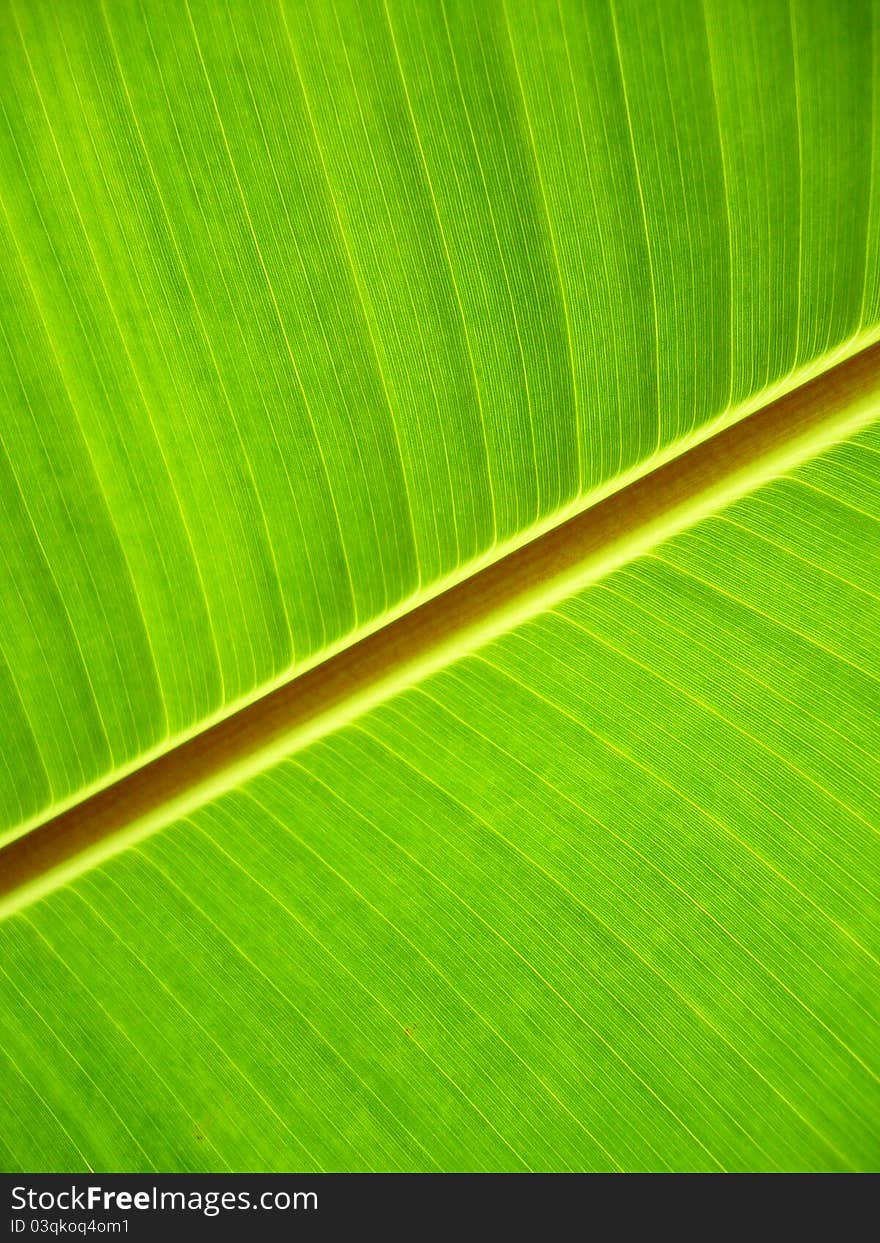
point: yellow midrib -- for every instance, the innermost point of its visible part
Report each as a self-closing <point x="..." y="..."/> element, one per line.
<point x="734" y="454"/>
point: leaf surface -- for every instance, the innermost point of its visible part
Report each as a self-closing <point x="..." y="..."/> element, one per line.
<point x="310" y="313"/>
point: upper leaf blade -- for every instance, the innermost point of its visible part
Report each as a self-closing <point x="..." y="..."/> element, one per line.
<point x="307" y="307"/>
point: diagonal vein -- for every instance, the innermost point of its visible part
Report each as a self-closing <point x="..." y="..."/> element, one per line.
<point x="627" y="524"/>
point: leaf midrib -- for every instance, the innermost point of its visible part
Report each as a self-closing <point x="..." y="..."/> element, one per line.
<point x="741" y="449"/>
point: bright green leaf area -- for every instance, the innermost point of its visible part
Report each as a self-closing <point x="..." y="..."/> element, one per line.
<point x="309" y="308"/>
<point x="603" y="895"/>
<point x="306" y="306"/>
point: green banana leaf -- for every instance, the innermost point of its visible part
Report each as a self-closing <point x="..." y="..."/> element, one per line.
<point x="311" y="312"/>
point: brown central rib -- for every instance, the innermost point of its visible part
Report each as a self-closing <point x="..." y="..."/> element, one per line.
<point x="366" y="662"/>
